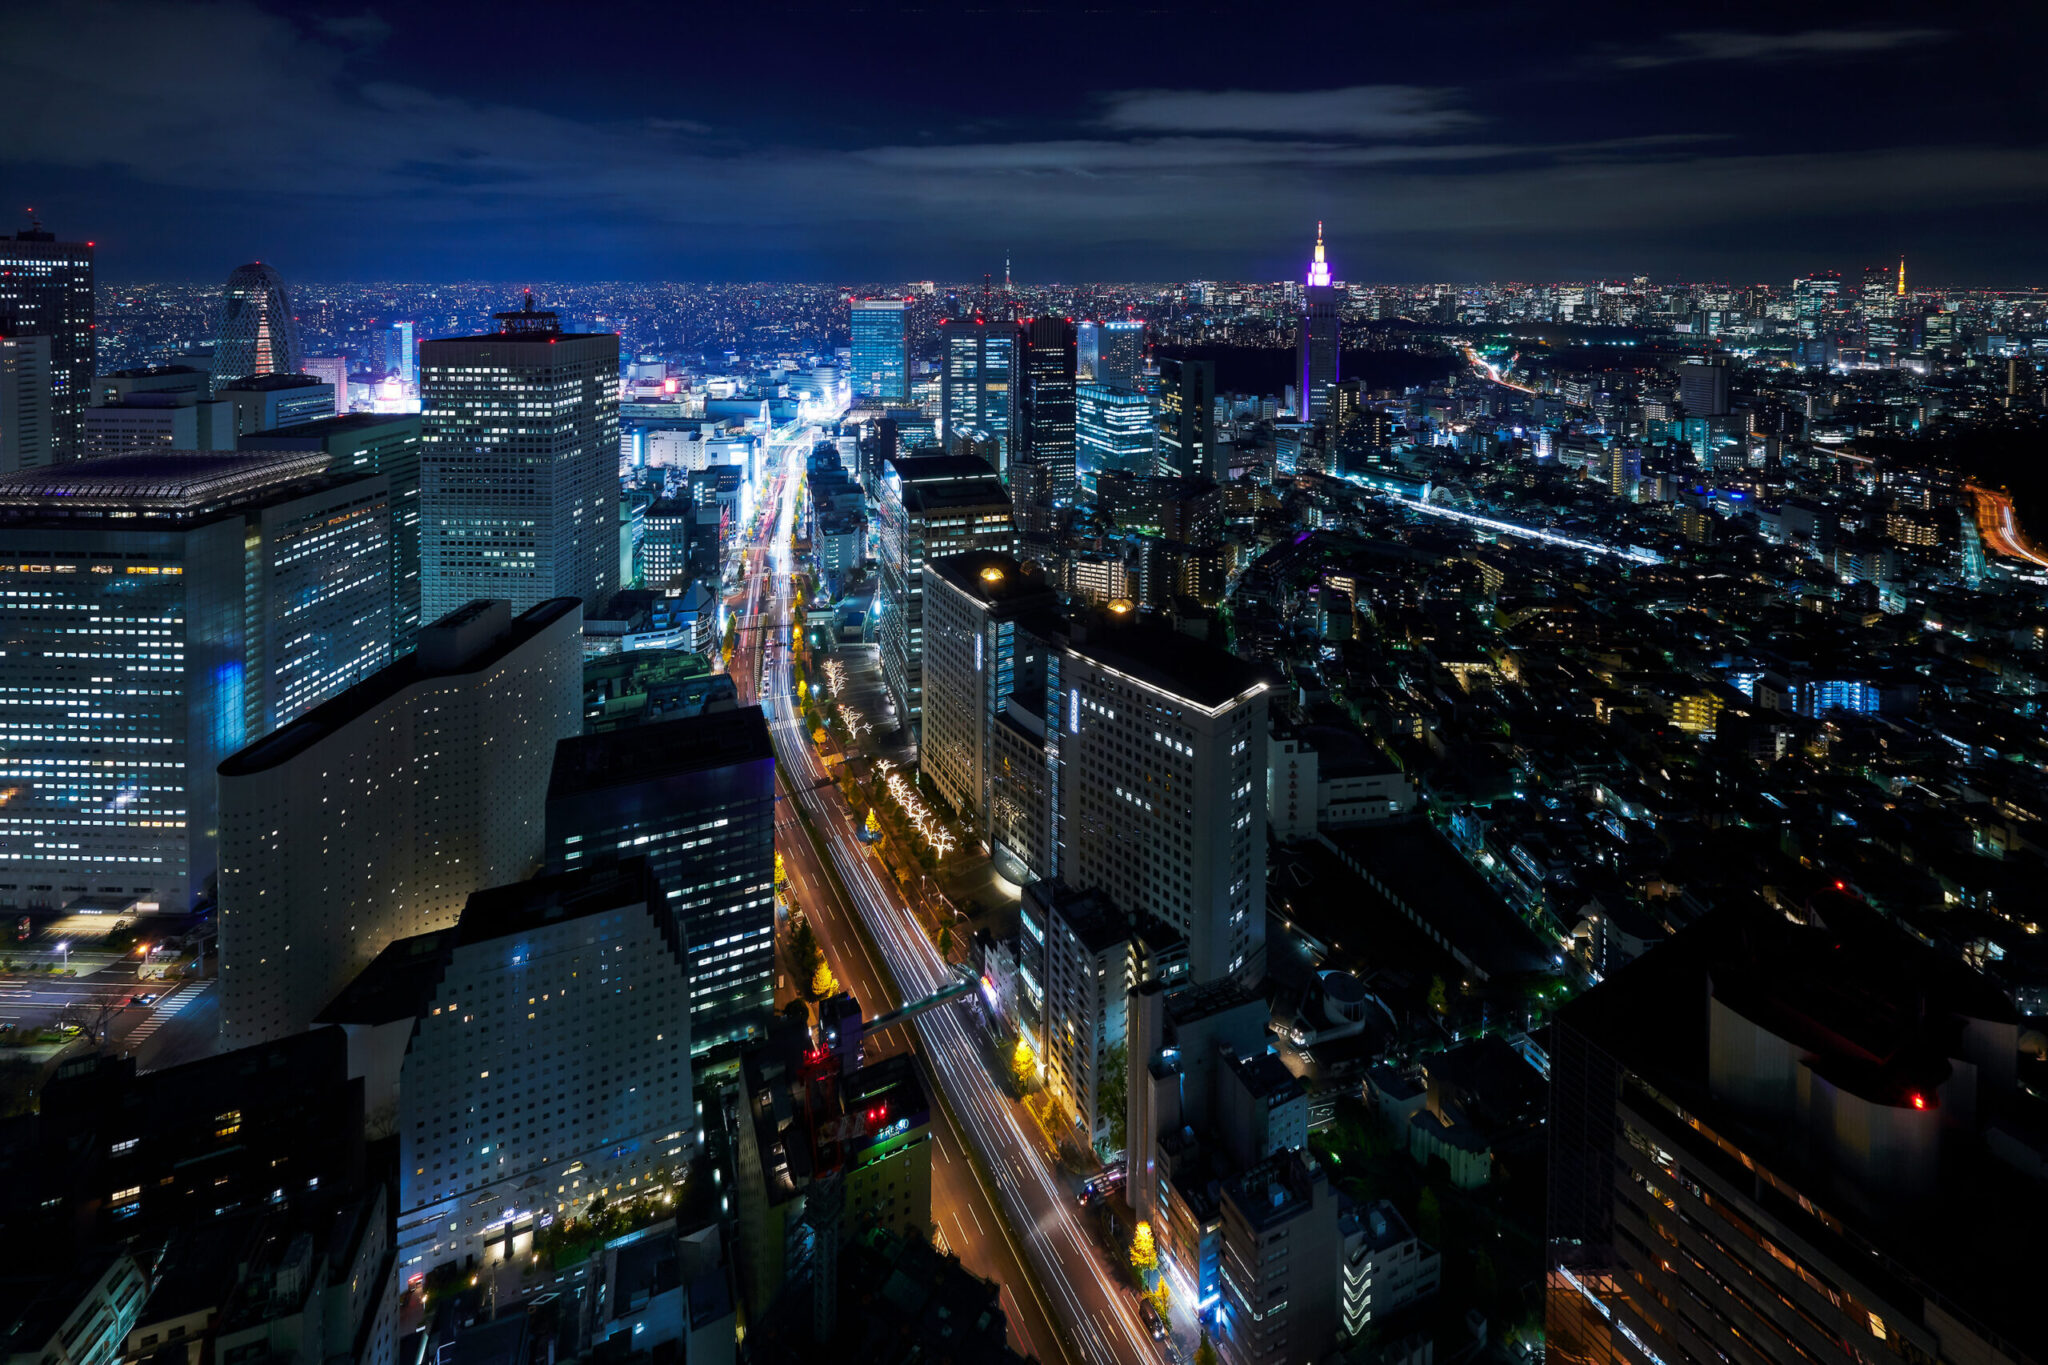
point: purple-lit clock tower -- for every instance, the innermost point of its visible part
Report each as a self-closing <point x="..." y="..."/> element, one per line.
<point x="1318" y="340"/>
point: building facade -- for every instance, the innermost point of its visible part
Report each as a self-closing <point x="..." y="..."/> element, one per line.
<point x="46" y="291"/>
<point x="981" y="647"/>
<point x="376" y="815"/>
<point x="159" y="611"/>
<point x="1186" y="419"/>
<point x="1047" y="411"/>
<point x="930" y="506"/>
<point x="881" y="349"/>
<point x="696" y="798"/>
<point x="548" y="1067"/>
<point x="1161" y="760"/>
<point x="1113" y="432"/>
<point x="979" y="382"/>
<point x="519" y="466"/>
<point x="375" y="443"/>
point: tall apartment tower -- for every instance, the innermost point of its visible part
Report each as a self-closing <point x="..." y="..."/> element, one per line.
<point x="257" y="334"/>
<point x="46" y="291"/>
<point x="979" y="382"/>
<point x="160" y="610"/>
<point x="1802" y="1139"/>
<point x="881" y="349"/>
<point x="1047" y="410"/>
<point x="541" y="1046"/>
<point x="1161" y="764"/>
<point x="376" y="815"/>
<point x="1186" y="419"/>
<point x="985" y="641"/>
<point x="930" y="506"/>
<point x="375" y="443"/>
<point x="1319" y="336"/>
<point x="696" y="796"/>
<point x="519" y="467"/>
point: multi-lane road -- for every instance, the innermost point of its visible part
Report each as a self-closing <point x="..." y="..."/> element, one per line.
<point x="1006" y="1207"/>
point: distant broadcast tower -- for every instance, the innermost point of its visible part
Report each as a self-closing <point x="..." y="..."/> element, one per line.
<point x="1902" y="277"/>
<point x="1006" y="270"/>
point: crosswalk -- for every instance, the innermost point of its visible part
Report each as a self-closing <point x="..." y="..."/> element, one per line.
<point x="160" y="1013"/>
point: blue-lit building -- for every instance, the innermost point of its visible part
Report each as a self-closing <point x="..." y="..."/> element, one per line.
<point x="158" y="611"/>
<point x="1112" y="432"/>
<point x="979" y="382"/>
<point x="881" y="349"/>
<point x="1119" y="353"/>
<point x="696" y="798"/>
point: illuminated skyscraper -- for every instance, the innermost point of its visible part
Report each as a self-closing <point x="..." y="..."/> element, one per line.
<point x="25" y="436"/>
<point x="257" y="333"/>
<point x="46" y="291"/>
<point x="881" y="348"/>
<point x="519" y="483"/>
<point x="1112" y="432"/>
<point x="978" y="386"/>
<point x="696" y="797"/>
<point x="1047" y="409"/>
<point x="1120" y="353"/>
<point x="1186" y="419"/>
<point x="1319" y="337"/>
<point x="159" y="610"/>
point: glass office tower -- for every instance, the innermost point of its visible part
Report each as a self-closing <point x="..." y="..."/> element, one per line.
<point x="979" y="384"/>
<point x="881" y="348"/>
<point x="1113" y="432"/>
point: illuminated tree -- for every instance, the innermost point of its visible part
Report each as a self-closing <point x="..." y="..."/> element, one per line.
<point x="874" y="826"/>
<point x="823" y="986"/>
<point x="1144" y="1254"/>
<point x="781" y="872"/>
<point x="1023" y="1063"/>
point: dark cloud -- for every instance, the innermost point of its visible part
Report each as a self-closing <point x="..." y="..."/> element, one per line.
<point x="1358" y="111"/>
<point x="1807" y="45"/>
<point x="195" y="134"/>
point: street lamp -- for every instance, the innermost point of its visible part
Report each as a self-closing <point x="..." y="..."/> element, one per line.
<point x="65" y="948"/>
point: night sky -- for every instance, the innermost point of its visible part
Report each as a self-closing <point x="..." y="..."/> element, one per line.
<point x="577" y="141"/>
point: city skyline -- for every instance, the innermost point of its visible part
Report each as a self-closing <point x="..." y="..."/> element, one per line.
<point x="433" y="145"/>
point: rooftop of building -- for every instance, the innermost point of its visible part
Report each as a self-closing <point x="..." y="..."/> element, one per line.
<point x="1265" y="1077"/>
<point x="808" y="1119"/>
<point x="462" y="642"/>
<point x="1275" y="1190"/>
<point x="171" y="483"/>
<point x="398" y="983"/>
<point x="503" y="911"/>
<point x="1151" y="652"/>
<point x="152" y="371"/>
<point x="1378" y="1222"/>
<point x="930" y="466"/>
<point x="661" y="748"/>
<point x="994" y="578"/>
<point x="270" y="383"/>
<point x="1416" y="866"/>
<point x="311" y="434"/>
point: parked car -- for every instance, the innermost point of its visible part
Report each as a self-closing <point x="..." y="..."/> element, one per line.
<point x="1154" y="1324"/>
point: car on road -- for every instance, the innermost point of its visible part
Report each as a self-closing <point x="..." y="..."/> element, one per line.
<point x="1154" y="1324"/>
<point x="146" y="998"/>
